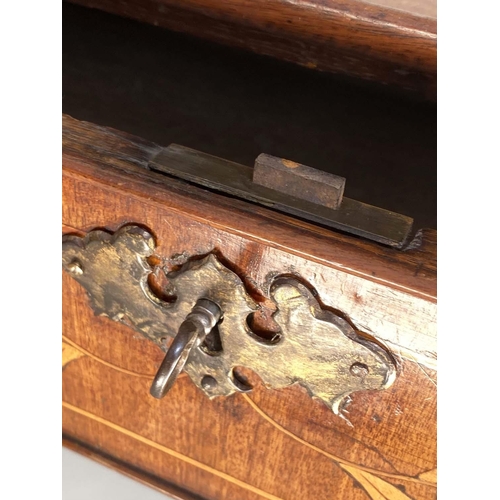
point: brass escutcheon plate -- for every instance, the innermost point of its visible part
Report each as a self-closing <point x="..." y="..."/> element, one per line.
<point x="317" y="349"/>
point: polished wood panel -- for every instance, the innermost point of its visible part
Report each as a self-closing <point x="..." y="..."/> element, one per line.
<point x="424" y="8"/>
<point x="268" y="443"/>
<point x="372" y="42"/>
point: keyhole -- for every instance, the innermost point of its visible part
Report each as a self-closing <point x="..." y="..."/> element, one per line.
<point x="212" y="345"/>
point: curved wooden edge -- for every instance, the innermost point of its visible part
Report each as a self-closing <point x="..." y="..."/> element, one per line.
<point x="350" y="37"/>
<point x="128" y="470"/>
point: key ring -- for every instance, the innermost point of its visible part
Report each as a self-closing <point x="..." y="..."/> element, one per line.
<point x="192" y="332"/>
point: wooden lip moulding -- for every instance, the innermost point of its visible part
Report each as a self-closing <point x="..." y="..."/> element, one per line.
<point x="223" y="339"/>
<point x="390" y="42"/>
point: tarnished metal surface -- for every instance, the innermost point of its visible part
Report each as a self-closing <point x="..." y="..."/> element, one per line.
<point x="300" y="181"/>
<point x="352" y="216"/>
<point x="316" y="348"/>
<point x="192" y="332"/>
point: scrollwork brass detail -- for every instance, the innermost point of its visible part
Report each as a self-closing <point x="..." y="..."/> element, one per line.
<point x="317" y="349"/>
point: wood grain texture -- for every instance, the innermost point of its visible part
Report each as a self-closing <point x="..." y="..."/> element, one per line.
<point x="125" y="468"/>
<point x="372" y="42"/>
<point x="119" y="73"/>
<point x="266" y="444"/>
<point x="424" y="8"/>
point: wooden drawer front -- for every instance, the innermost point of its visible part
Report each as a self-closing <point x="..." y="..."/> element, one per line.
<point x="266" y="443"/>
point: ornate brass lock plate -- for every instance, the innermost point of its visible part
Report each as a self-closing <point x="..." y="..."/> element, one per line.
<point x="317" y="349"/>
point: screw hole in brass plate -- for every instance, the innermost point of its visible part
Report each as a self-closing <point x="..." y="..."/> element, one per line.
<point x="208" y="383"/>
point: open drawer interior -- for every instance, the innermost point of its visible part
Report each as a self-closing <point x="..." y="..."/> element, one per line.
<point x="172" y="88"/>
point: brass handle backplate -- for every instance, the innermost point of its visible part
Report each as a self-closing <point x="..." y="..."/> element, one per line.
<point x="315" y="348"/>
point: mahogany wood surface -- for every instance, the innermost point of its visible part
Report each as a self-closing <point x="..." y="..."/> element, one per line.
<point x="374" y="42"/>
<point x="267" y="443"/>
